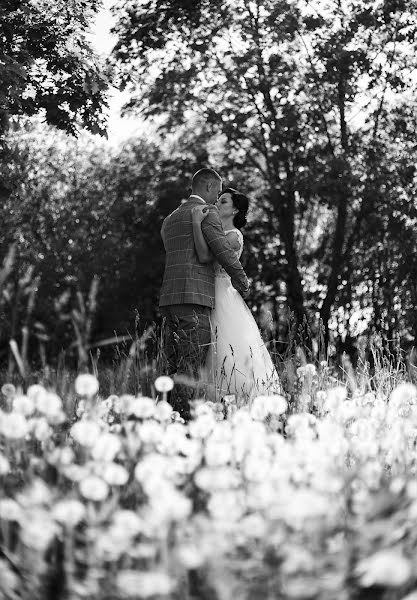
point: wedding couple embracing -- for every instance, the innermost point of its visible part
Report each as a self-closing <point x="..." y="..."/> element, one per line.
<point x="212" y="342"/>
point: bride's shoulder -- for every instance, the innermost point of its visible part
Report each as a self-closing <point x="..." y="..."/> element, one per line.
<point x="235" y="236"/>
<point x="235" y="232"/>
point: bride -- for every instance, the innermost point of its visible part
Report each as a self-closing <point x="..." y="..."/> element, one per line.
<point x="238" y="361"/>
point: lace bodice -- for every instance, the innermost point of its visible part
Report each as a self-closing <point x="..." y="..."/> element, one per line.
<point x="218" y="269"/>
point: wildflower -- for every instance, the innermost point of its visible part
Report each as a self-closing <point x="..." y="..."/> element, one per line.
<point x="221" y="478"/>
<point x="202" y="426"/>
<point x="164" y="384"/>
<point x="94" y="488"/>
<point x="85" y="432"/>
<point x="335" y="396"/>
<point x="114" y="474"/>
<point x="41" y="429"/>
<point x="142" y="407"/>
<point x="14" y="426"/>
<point x="217" y="454"/>
<point x="86" y="385"/>
<point x="23" y="405"/>
<point x="36" y="494"/>
<point x="8" y="390"/>
<point x="48" y="403"/>
<point x="163" y="411"/>
<point x="4" y="465"/>
<point x="226" y="506"/>
<point x="63" y="456"/>
<point x="190" y="556"/>
<point x="122" y="404"/>
<point x="253" y="526"/>
<point x="106" y="447"/>
<point x="129" y="522"/>
<point x="150" y="432"/>
<point x="176" y="417"/>
<point x="69" y="512"/>
<point x="37" y="529"/>
<point x="74" y="472"/>
<point x="150" y="583"/>
<point x="388" y="568"/>
<point x="34" y="390"/>
<point x="404" y="395"/>
<point x="10" y="510"/>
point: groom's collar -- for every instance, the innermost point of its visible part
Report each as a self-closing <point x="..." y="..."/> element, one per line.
<point x="199" y="197"/>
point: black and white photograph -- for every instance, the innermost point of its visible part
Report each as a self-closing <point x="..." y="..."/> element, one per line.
<point x="208" y="299"/>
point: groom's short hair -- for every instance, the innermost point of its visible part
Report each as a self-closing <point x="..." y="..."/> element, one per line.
<point x="204" y="176"/>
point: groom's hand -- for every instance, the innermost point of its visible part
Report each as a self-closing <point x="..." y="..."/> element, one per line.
<point x="245" y="293"/>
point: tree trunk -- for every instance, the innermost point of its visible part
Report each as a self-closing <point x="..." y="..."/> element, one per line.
<point x="284" y="208"/>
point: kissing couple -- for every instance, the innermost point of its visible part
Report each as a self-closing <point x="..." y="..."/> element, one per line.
<point x="210" y="333"/>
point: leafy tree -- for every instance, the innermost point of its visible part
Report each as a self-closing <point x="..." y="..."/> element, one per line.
<point x="302" y="91"/>
<point x="47" y="66"/>
<point x="89" y="210"/>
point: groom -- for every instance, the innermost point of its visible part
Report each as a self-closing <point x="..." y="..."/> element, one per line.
<point x="187" y="293"/>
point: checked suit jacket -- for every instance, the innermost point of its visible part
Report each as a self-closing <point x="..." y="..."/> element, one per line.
<point x="186" y="280"/>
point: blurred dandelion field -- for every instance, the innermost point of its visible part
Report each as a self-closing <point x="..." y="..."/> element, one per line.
<point x="311" y="494"/>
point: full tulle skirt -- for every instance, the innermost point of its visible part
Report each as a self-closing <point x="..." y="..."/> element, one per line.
<point x="238" y="361"/>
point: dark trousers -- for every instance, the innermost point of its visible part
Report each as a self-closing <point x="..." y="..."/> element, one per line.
<point x="187" y="340"/>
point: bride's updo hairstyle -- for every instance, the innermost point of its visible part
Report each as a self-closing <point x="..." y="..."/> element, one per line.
<point x="241" y="202"/>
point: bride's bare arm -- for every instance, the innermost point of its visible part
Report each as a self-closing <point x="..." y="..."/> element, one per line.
<point x="199" y="213"/>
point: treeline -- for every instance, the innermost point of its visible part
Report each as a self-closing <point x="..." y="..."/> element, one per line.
<point x="307" y="107"/>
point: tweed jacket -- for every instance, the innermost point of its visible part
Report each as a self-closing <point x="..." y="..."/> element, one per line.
<point x="186" y="280"/>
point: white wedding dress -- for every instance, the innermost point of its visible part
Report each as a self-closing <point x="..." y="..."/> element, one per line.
<point x="238" y="361"/>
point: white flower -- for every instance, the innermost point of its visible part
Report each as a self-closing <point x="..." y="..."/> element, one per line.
<point x="164" y="384"/>
<point x="74" y="472"/>
<point x="222" y="478"/>
<point x="14" y="426"/>
<point x="69" y="512"/>
<point x="142" y="407"/>
<point x="38" y="493"/>
<point x="148" y="584"/>
<point x="150" y="432"/>
<point x="388" y="568"/>
<point x="62" y="456"/>
<point x="85" y="432"/>
<point x="8" y="390"/>
<point x="94" y="488"/>
<point x="129" y="522"/>
<point x="202" y="426"/>
<point x="38" y="529"/>
<point x="190" y="556"/>
<point x="163" y="411"/>
<point x="335" y="396"/>
<point x="4" y="465"/>
<point x="10" y="510"/>
<point x="48" y="403"/>
<point x="226" y="506"/>
<point x="34" y="390"/>
<point x="23" y="405"/>
<point x="86" y="385"/>
<point x="114" y="474"/>
<point x="40" y="428"/>
<point x="405" y="394"/>
<point x="106" y="447"/>
<point x="263" y="406"/>
<point x="217" y="454"/>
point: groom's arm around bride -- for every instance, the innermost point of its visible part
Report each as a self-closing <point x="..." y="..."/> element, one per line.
<point x="219" y="245"/>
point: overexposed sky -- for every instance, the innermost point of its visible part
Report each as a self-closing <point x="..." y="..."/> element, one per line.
<point x="103" y="42"/>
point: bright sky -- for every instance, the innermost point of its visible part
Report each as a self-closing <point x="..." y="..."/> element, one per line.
<point x="103" y="42"/>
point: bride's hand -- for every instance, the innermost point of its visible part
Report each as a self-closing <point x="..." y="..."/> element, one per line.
<point x="199" y="213"/>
